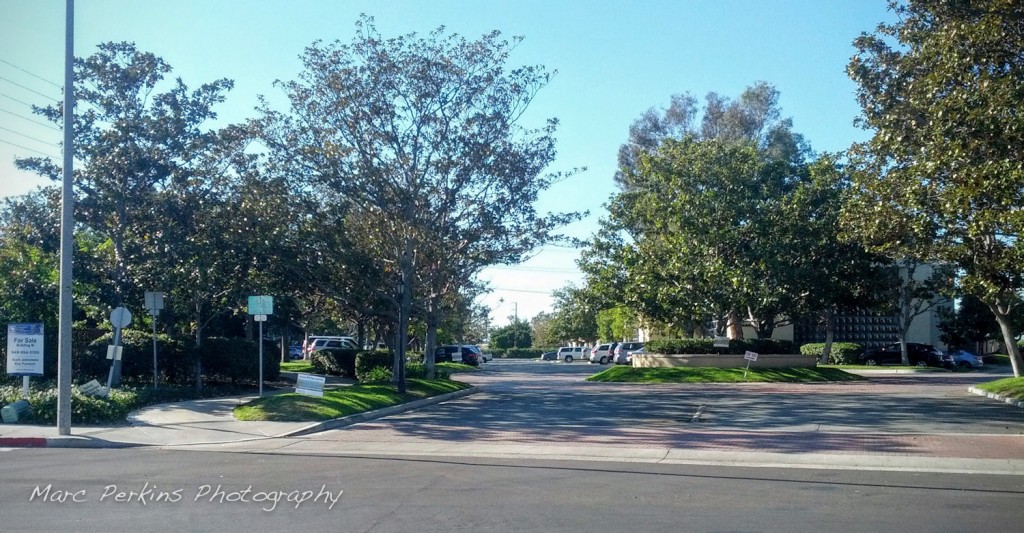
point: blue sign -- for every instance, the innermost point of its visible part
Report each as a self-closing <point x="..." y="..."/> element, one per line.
<point x="25" y="349"/>
<point x="261" y="305"/>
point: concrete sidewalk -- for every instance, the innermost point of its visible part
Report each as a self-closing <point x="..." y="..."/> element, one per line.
<point x="189" y="423"/>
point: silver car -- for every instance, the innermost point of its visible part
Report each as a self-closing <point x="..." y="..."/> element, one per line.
<point x="603" y="353"/>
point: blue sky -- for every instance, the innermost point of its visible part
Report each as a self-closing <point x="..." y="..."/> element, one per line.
<point x="615" y="59"/>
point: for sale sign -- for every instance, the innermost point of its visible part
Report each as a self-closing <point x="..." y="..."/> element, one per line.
<point x="25" y="349"/>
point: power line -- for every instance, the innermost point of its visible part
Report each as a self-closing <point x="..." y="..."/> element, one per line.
<point x="29" y="137"/>
<point x="23" y="117"/>
<point x="30" y="74"/>
<point x="22" y="102"/>
<point x="29" y="89"/>
<point x="29" y="149"/>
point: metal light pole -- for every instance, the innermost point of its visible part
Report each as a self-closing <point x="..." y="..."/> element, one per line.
<point x="66" y="230"/>
<point x="400" y="378"/>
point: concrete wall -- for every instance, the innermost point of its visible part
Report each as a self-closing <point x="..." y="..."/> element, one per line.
<point x="722" y="361"/>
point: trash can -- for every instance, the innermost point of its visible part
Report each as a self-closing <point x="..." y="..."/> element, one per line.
<point x="15" y="411"/>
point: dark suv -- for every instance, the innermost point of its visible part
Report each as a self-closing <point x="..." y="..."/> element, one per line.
<point x="919" y="355"/>
<point x="449" y="353"/>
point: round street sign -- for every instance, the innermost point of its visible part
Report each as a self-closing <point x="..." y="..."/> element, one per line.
<point x="120" y="317"/>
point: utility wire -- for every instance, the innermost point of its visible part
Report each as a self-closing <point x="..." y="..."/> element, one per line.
<point x="29" y="137"/>
<point x="28" y="88"/>
<point x="29" y="149"/>
<point x="30" y="74"/>
<point x="23" y="117"/>
<point x="22" y="102"/>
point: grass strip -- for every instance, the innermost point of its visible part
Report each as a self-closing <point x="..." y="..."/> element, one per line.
<point x="345" y="401"/>
<point x="627" y="374"/>
<point x="1009" y="387"/>
<point x="298" y="366"/>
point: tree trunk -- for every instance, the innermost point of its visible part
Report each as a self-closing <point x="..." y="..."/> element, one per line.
<point x="199" y="342"/>
<point x="1002" y="313"/>
<point x="830" y="333"/>
<point x="431" y="340"/>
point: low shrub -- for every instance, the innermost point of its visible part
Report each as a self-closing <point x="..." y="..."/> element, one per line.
<point x="234" y="360"/>
<point x="707" y="346"/>
<point x="843" y="353"/>
<point x="367" y="361"/>
<point x="377" y="374"/>
<point x="173" y="363"/>
<point x="521" y="353"/>
<point x="335" y="362"/>
<point x="419" y="371"/>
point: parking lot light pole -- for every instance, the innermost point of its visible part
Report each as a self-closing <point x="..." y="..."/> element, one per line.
<point x="400" y="378"/>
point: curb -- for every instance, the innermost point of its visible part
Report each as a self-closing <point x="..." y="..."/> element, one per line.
<point x="1012" y="401"/>
<point x="76" y="441"/>
<point x="370" y="415"/>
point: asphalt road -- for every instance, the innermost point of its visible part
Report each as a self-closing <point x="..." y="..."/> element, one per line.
<point x="208" y="491"/>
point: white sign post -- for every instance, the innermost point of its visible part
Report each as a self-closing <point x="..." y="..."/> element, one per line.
<point x="749" y="356"/>
<point x="25" y="352"/>
<point x="119" y="318"/>
<point x="260" y="307"/>
<point x="154" y="303"/>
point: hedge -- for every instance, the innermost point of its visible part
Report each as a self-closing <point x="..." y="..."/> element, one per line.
<point x="707" y="346"/>
<point x="843" y="353"/>
<point x="225" y="359"/>
<point x="522" y="353"/>
<point x="367" y="361"/>
<point x="335" y="362"/>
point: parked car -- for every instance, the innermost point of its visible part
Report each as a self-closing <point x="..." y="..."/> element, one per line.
<point x="964" y="359"/>
<point x="603" y="353"/>
<point x="572" y="353"/>
<point x="919" y="355"/>
<point x="621" y="354"/>
<point x="329" y="342"/>
<point x="454" y="353"/>
<point x="549" y="356"/>
<point x="631" y="353"/>
<point x="295" y="351"/>
<point x="486" y="357"/>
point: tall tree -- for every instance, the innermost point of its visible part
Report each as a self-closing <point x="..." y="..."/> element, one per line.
<point x="942" y="180"/>
<point x="422" y="137"/>
<point x="130" y="142"/>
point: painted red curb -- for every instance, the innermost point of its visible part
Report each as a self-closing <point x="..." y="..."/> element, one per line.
<point x="23" y="442"/>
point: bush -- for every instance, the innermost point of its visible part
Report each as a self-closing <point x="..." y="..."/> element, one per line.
<point x="173" y="364"/>
<point x="335" y="362"/>
<point x="843" y="353"/>
<point x="419" y="371"/>
<point x="367" y="361"/>
<point x="232" y="360"/>
<point x="377" y="374"/>
<point x="521" y="353"/>
<point x="707" y="346"/>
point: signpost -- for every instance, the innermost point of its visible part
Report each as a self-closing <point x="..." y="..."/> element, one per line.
<point x="119" y="318"/>
<point x="259" y="308"/>
<point x="154" y="303"/>
<point x="749" y="356"/>
<point x="25" y="352"/>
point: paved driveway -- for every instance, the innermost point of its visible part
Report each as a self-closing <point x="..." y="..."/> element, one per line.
<point x="547" y="403"/>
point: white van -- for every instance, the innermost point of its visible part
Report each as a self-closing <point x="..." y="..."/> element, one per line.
<point x="573" y="353"/>
<point x="321" y="342"/>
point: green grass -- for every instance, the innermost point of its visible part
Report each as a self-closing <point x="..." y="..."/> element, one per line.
<point x="336" y="403"/>
<point x="455" y="368"/>
<point x="886" y="367"/>
<point x="297" y="366"/>
<point x="1009" y="387"/>
<point x="627" y="374"/>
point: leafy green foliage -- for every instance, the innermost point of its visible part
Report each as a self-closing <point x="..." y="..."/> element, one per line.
<point x="941" y="179"/>
<point x="706" y="346"/>
<point x="367" y="361"/>
<point x="335" y="362"/>
<point x="377" y="374"/>
<point x="843" y="353"/>
<point x="518" y="334"/>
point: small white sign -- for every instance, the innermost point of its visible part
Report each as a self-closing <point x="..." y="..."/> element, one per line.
<point x="310" y="384"/>
<point x="750" y="356"/>
<point x="25" y="349"/>
<point x="259" y="318"/>
<point x="114" y="352"/>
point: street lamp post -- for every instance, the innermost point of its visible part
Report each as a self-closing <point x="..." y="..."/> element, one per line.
<point x="400" y="349"/>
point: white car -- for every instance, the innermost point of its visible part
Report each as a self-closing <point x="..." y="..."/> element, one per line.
<point x="486" y="357"/>
<point x="603" y="353"/>
<point x="321" y="342"/>
<point x="572" y="353"/>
